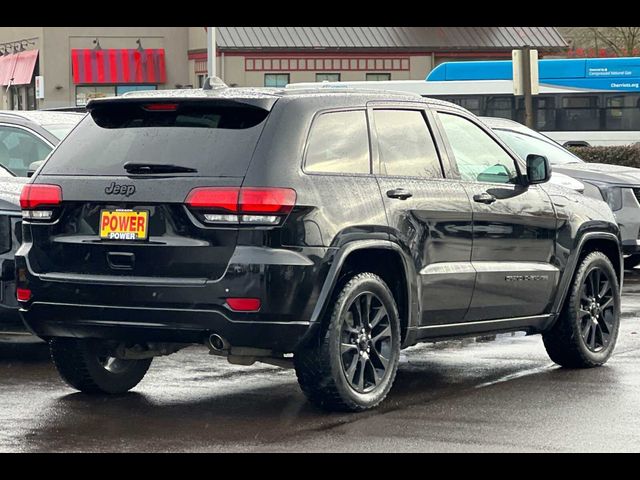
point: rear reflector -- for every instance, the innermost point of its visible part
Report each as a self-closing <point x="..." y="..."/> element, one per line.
<point x="23" y="294"/>
<point x="259" y="205"/>
<point x="37" y="195"/>
<point x="244" y="304"/>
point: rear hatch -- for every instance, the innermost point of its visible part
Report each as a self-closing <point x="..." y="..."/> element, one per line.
<point x="124" y="177"/>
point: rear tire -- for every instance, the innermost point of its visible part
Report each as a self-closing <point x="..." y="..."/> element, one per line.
<point x="351" y="366"/>
<point x="585" y="333"/>
<point x="84" y="365"/>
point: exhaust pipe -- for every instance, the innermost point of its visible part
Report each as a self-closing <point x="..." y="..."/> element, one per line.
<point x="217" y="344"/>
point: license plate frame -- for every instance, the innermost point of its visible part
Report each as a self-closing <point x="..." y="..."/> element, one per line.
<point x="118" y="235"/>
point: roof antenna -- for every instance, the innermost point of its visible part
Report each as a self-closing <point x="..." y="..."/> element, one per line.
<point x="213" y="82"/>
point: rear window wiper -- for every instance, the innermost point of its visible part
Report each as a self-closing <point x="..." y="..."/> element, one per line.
<point x="142" y="168"/>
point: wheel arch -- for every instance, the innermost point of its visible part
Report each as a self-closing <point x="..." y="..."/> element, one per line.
<point x="605" y="242"/>
<point x="384" y="258"/>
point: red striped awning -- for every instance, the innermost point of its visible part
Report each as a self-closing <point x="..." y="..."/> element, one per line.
<point x="17" y="68"/>
<point x="118" y="65"/>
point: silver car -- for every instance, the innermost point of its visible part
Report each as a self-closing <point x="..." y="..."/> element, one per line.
<point x="617" y="185"/>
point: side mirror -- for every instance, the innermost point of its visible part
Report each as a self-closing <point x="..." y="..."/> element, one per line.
<point x="33" y="166"/>
<point x="538" y="169"/>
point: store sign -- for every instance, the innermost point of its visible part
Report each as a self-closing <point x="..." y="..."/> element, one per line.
<point x="39" y="86"/>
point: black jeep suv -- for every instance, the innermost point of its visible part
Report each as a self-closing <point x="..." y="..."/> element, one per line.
<point x="324" y="230"/>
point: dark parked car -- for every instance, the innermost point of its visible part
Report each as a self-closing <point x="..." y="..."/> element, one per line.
<point x="618" y="185"/>
<point x="25" y="137"/>
<point x="324" y="230"/>
<point x="29" y="136"/>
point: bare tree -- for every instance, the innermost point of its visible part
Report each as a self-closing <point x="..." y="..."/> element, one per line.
<point x="619" y="41"/>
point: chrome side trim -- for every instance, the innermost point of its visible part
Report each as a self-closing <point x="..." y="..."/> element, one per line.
<point x="485" y="322"/>
<point x="486" y="267"/>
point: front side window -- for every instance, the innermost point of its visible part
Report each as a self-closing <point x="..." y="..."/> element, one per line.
<point x="19" y="149"/>
<point x="478" y="156"/>
<point x="276" y="79"/>
<point x="405" y="144"/>
<point x="338" y="143"/>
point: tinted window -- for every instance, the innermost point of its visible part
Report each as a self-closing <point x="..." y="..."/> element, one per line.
<point x="405" y="145"/>
<point x="215" y="140"/>
<point x="622" y="112"/>
<point x="478" y="156"/>
<point x="19" y="148"/>
<point x="579" y="112"/>
<point x="339" y="143"/>
<point x="500" y="107"/>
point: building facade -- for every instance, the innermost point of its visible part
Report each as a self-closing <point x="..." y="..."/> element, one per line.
<point x="75" y="64"/>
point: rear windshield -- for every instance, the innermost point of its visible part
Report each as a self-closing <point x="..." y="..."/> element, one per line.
<point x="214" y="140"/>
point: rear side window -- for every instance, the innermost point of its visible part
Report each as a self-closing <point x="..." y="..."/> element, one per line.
<point x="405" y="144"/>
<point x="338" y="143"/>
<point x="215" y="140"/>
<point x="19" y="148"/>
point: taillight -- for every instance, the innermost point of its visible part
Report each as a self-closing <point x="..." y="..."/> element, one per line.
<point x="36" y="200"/>
<point x="246" y="205"/>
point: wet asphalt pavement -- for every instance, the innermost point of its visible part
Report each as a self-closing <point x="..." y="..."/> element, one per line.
<point x="504" y="395"/>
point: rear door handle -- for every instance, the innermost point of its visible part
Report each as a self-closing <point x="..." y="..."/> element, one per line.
<point x="484" y="198"/>
<point x="400" y="193"/>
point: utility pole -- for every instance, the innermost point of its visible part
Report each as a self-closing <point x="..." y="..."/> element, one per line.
<point x="525" y="79"/>
<point x="526" y="86"/>
<point x="211" y="51"/>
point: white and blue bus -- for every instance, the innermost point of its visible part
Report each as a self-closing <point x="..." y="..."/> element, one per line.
<point x="585" y="101"/>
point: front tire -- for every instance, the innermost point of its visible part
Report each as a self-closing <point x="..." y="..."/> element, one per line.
<point x="585" y="333"/>
<point x="85" y="365"/>
<point x="353" y="363"/>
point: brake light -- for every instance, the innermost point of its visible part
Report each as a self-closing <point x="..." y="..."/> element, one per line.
<point x="40" y="195"/>
<point x="161" y="107"/>
<point x="246" y="205"/>
<point x="267" y="200"/>
<point x="244" y="304"/>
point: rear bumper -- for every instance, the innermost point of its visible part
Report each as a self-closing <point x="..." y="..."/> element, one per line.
<point x="10" y="322"/>
<point x="142" y="309"/>
<point x="160" y="325"/>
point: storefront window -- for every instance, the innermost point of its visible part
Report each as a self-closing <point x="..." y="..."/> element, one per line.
<point x="378" y="77"/>
<point x="276" y="79"/>
<point x="327" y="77"/>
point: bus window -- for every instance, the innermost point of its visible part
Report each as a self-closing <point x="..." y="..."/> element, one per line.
<point x="545" y="108"/>
<point x="622" y="112"/>
<point x="500" y="107"/>
<point x="579" y="112"/>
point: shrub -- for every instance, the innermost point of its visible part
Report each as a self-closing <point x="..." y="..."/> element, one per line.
<point x="626" y="155"/>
